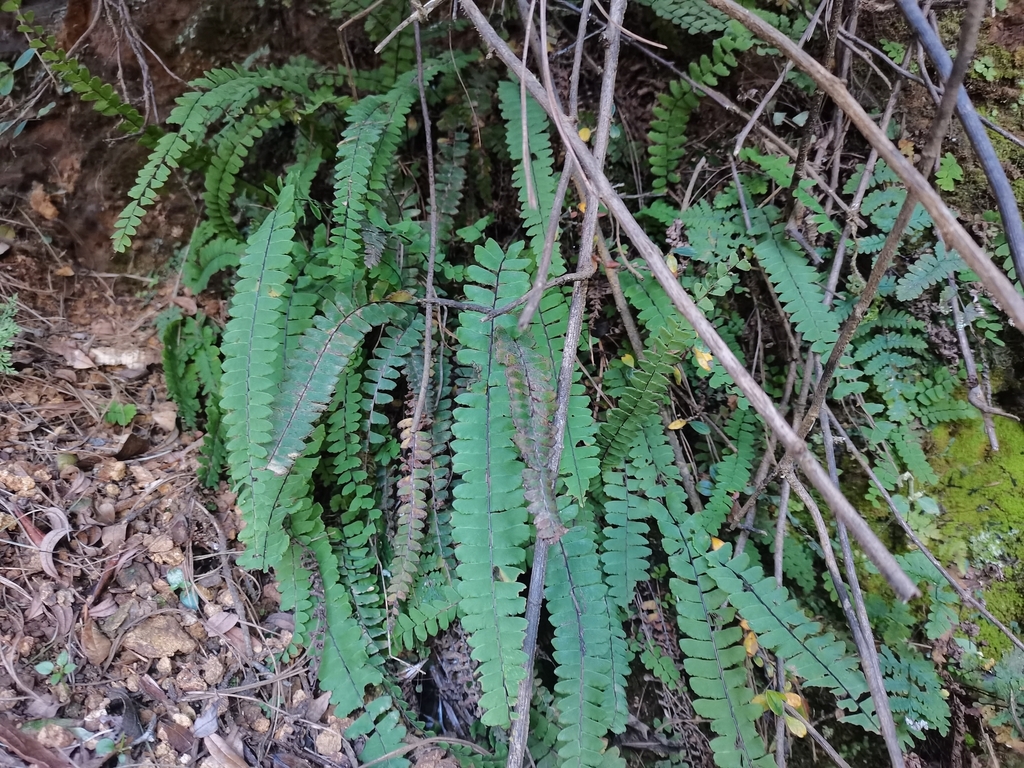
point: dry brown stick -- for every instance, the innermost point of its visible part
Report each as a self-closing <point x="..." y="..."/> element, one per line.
<point x="952" y="231"/>
<point x="968" y="41"/>
<point x="762" y="403"/>
<point x="861" y="636"/>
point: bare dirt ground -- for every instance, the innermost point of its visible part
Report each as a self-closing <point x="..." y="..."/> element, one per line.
<point x="122" y="619"/>
<point x="127" y="637"/>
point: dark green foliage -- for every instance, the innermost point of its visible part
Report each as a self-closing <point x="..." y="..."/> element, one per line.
<point x="383" y="533"/>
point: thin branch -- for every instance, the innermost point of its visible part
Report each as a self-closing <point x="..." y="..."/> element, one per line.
<point x="930" y="152"/>
<point x="428" y="335"/>
<point x="952" y="231"/>
<point x="993" y="168"/>
<point x="761" y="402"/>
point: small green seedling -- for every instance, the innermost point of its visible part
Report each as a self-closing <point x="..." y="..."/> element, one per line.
<point x="120" y="414"/>
<point x="58" y="670"/>
<point x="949" y="173"/>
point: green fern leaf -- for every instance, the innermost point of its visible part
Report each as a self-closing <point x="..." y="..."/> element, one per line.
<point x="252" y="358"/>
<point x="230" y="150"/>
<point x="782" y="627"/>
<point x="796" y="283"/>
<point x="488" y="520"/>
<point x="928" y="270"/>
<point x="732" y="473"/>
<point x="576" y="602"/>
<point x="625" y="554"/>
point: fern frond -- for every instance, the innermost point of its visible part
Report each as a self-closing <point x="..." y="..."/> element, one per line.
<point x="389" y="358"/>
<point x="781" y="626"/>
<point x="539" y="166"/>
<point x="231" y="149"/>
<point x="489" y="521"/>
<point x="411" y="513"/>
<point x="931" y="268"/>
<point x="251" y="347"/>
<point x="624" y="553"/>
<point x="648" y="388"/>
<point x="208" y="255"/>
<point x="421" y="621"/>
<point x="693" y="16"/>
<point x="796" y="283"/>
<point x="309" y="379"/>
<point x="576" y="602"/>
<point x="713" y="653"/>
<point x="381" y="732"/>
<point x="732" y="473"/>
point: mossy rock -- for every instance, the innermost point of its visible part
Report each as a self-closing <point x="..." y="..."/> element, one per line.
<point x="982" y="495"/>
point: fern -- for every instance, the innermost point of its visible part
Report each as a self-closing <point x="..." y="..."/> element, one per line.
<point x="229" y="156"/>
<point x="693" y="16"/>
<point x="782" y="627"/>
<point x="647" y="390"/>
<point x="928" y="270"/>
<point x="625" y="554"/>
<point x="796" y="284"/>
<point x="539" y="167"/>
<point x="575" y="599"/>
<point x="732" y="474"/>
<point x="208" y="255"/>
<point x="412" y="511"/>
<point x="389" y="358"/>
<point x="252" y="358"/>
<point x="423" y="620"/>
<point x="488" y="520"/>
<point x="713" y="652"/>
<point x="911" y="682"/>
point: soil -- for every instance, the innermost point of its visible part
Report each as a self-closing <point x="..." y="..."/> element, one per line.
<point x="123" y="621"/>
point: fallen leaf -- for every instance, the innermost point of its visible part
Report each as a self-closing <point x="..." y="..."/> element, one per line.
<point x="165" y="415"/>
<point x="74" y="357"/>
<point x="29" y="749"/>
<point x="223" y="754"/>
<point x="131" y="358"/>
<point x="95" y="644"/>
<point x="703" y="358"/>
<point x="65" y="271"/>
<point x="187" y="304"/>
<point x="584" y="134"/>
<point x="206" y="724"/>
<point x="41" y="203"/>
<point x="677" y="424"/>
<point x="158" y="637"/>
<point x="796" y="726"/>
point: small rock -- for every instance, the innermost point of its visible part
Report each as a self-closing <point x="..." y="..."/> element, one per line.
<point x="328" y="742"/>
<point x="158" y="637"/>
<point x="111" y="471"/>
<point x="188" y="681"/>
<point x="112" y="490"/>
<point x="141" y="475"/>
<point x="54" y="736"/>
<point x="213" y="670"/>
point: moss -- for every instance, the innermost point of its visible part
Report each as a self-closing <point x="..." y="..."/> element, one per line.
<point x="983" y="502"/>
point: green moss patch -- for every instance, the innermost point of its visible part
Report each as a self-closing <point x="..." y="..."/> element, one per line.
<point x="982" y="526"/>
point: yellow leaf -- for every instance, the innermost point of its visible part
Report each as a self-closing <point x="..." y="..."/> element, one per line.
<point x="750" y="643"/>
<point x="906" y="147"/>
<point x="400" y="297"/>
<point x="796" y="727"/>
<point x="582" y="207"/>
<point x="716" y="544"/>
<point x="744" y="626"/>
<point x="677" y="424"/>
<point x="703" y="358"/>
<point x="677" y="374"/>
<point x="673" y="264"/>
<point x="795" y="700"/>
<point x="585" y="134"/>
<point x="627" y="359"/>
<point x="760" y="700"/>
